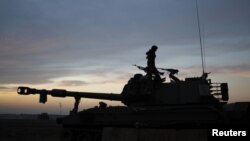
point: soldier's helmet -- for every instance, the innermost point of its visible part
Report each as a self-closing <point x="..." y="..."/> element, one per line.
<point x="154" y="47"/>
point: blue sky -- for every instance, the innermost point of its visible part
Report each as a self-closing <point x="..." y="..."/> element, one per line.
<point x="82" y="45"/>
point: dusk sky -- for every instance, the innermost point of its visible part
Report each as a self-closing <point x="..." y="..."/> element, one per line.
<point x="91" y="45"/>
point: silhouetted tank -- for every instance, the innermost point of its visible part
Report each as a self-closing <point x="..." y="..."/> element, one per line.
<point x="154" y="110"/>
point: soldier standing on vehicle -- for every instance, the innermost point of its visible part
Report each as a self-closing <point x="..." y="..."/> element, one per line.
<point x="151" y="69"/>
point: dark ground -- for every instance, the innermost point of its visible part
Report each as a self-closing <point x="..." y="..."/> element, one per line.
<point x="29" y="130"/>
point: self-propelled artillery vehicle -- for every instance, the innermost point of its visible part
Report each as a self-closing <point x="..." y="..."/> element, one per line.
<point x="153" y="110"/>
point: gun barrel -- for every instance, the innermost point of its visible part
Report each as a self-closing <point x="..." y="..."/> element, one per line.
<point x="64" y="93"/>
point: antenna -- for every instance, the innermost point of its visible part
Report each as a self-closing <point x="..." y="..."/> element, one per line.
<point x="199" y="29"/>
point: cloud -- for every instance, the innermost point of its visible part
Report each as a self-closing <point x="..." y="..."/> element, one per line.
<point x="72" y="83"/>
<point x="42" y="40"/>
<point x="4" y="88"/>
<point x="7" y="90"/>
<point x="242" y="70"/>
